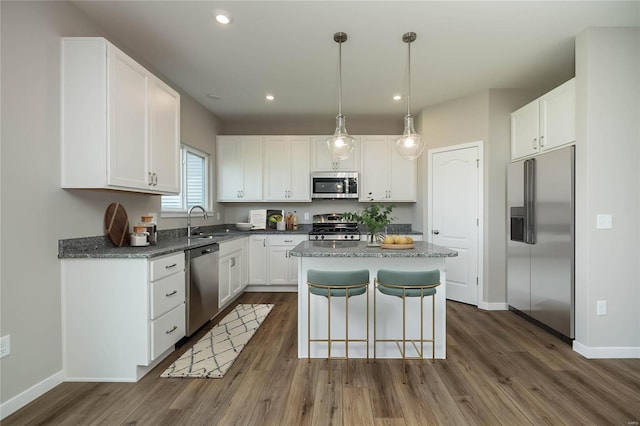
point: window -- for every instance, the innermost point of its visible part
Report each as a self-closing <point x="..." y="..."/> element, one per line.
<point x="194" y="166"/>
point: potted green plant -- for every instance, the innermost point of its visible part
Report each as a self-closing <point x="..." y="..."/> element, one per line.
<point x="375" y="217"/>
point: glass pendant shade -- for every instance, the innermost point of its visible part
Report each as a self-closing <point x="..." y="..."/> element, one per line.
<point x="410" y="144"/>
<point x="340" y="144"/>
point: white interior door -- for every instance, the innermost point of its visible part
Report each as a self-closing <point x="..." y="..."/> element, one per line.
<point x="455" y="216"/>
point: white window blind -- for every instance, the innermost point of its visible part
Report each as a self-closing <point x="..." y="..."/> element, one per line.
<point x="194" y="165"/>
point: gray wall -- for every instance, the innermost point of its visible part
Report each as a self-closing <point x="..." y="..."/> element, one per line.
<point x="608" y="181"/>
<point x="483" y="116"/>
<point x="35" y="211"/>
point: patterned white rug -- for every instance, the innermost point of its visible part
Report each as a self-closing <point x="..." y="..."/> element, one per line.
<point x="212" y="355"/>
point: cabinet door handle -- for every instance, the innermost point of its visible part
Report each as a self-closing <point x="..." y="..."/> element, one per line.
<point x="535" y="143"/>
<point x="172" y="293"/>
<point x="171" y="266"/>
<point x="542" y="141"/>
<point x="232" y="262"/>
<point x="286" y="253"/>
<point x="150" y="176"/>
<point x="264" y="243"/>
<point x="436" y="232"/>
<point x="155" y="179"/>
<point x="175" y="327"/>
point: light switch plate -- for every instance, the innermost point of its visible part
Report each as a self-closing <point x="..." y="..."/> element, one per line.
<point x="604" y="221"/>
<point x="5" y="346"/>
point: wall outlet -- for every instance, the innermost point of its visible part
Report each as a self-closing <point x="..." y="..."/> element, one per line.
<point x="604" y="221"/>
<point x="601" y="307"/>
<point x="217" y="215"/>
<point x="306" y="215"/>
<point x="5" y="346"/>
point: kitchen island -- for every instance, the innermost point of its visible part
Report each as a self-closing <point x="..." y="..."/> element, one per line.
<point x="351" y="255"/>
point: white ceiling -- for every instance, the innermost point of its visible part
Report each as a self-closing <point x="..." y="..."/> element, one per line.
<point x="287" y="48"/>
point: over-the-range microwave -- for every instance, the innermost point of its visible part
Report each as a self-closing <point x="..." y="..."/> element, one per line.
<point x="334" y="185"/>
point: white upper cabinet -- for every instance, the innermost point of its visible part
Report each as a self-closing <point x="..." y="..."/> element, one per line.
<point x="239" y="168"/>
<point x="322" y="161"/>
<point x="287" y="168"/>
<point x="120" y="123"/>
<point x="544" y="124"/>
<point x="165" y="134"/>
<point x="385" y="175"/>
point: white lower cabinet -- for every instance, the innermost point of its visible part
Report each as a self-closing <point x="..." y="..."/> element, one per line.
<point x="283" y="268"/>
<point x="232" y="270"/>
<point x="120" y="317"/>
<point x="258" y="258"/>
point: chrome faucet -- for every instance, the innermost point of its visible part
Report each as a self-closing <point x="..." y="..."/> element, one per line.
<point x="189" y="218"/>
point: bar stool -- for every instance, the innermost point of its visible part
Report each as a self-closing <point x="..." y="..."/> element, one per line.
<point x="405" y="284"/>
<point x="337" y="284"/>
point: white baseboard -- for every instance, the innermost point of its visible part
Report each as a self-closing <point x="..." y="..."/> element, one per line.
<point x="255" y="288"/>
<point x="606" y="352"/>
<point x="495" y="306"/>
<point x="17" y="402"/>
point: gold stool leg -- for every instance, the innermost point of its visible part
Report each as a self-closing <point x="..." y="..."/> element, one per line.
<point x="404" y="335"/>
<point x="421" y="335"/>
<point x="346" y="335"/>
<point x="375" y="281"/>
<point x="329" y="336"/>
<point x="367" y="320"/>
<point x="433" y="328"/>
<point x="308" y="325"/>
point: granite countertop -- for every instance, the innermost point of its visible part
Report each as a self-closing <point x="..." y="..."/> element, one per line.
<point x="172" y="241"/>
<point x="360" y="249"/>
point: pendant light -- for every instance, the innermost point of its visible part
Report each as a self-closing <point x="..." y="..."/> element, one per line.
<point x="410" y="144"/>
<point x="340" y="144"/>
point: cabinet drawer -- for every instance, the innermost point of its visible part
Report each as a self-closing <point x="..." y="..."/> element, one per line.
<point x="167" y="330"/>
<point x="164" y="266"/>
<point x="287" y="240"/>
<point x="166" y="294"/>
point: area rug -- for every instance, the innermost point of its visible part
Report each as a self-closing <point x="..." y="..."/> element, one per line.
<point x="211" y="356"/>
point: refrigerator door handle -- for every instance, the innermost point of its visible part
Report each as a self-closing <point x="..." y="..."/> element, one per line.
<point x="530" y="200"/>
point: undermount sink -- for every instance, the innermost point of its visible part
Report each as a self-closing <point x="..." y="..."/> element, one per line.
<point x="201" y="237"/>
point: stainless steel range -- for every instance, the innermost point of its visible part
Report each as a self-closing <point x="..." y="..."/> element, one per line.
<point x="331" y="227"/>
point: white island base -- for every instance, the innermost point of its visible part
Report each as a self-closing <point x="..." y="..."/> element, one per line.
<point x="389" y="309"/>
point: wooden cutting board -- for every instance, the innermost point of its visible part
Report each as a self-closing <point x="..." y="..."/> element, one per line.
<point x="116" y="224"/>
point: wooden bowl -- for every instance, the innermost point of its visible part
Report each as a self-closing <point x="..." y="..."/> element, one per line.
<point x="396" y="246"/>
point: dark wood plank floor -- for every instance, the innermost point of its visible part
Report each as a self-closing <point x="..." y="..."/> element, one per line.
<point x="500" y="370"/>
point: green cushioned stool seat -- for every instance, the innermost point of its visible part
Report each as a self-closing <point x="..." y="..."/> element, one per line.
<point x="339" y="281"/>
<point x="390" y="282"/>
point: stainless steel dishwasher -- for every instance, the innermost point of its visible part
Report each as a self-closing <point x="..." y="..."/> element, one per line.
<point x="201" y="285"/>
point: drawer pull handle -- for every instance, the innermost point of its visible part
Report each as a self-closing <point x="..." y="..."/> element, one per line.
<point x="288" y="241"/>
<point x="171" y="266"/>
<point x="175" y="327"/>
<point x="172" y="293"/>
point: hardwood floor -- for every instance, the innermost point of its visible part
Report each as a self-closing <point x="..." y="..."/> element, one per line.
<point x="500" y="370"/>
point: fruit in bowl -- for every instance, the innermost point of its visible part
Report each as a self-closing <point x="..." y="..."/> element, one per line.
<point x="243" y="226"/>
<point x="398" y="239"/>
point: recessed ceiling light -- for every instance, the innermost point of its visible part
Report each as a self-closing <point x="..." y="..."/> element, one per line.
<point x="222" y="17"/>
<point x="397" y="97"/>
<point x="269" y="97"/>
<point x="213" y="96"/>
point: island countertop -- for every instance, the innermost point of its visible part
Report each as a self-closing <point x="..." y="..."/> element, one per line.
<point x="361" y="249"/>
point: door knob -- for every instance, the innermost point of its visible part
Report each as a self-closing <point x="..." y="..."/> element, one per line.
<point x="436" y="232"/>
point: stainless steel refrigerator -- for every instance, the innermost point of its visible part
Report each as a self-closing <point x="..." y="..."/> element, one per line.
<point x="540" y="245"/>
